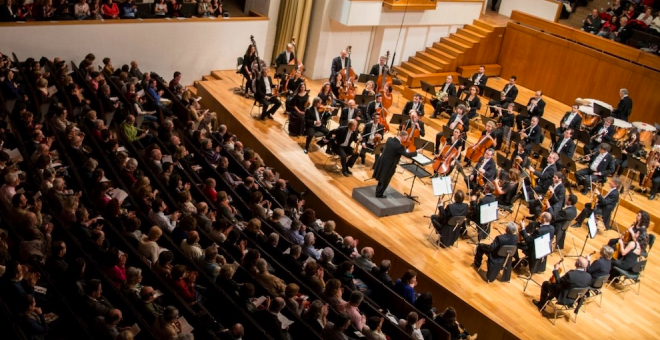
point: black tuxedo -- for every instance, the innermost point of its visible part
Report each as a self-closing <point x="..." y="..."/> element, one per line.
<point x="537" y="111"/>
<point x="561" y="217"/>
<point x="624" y="108"/>
<point x="489" y="167"/>
<point x="476" y="215"/>
<point x="377" y="70"/>
<point x="344" y="151"/>
<point x="560" y="289"/>
<point x="544" y="178"/>
<point x="556" y="200"/>
<point x="574" y="124"/>
<point x="366" y="133"/>
<point x="495" y="262"/>
<point x="311" y="128"/>
<point x="409" y="106"/>
<point x="606" y="167"/>
<point x="357" y="113"/>
<point x="529" y="248"/>
<point x="282" y="60"/>
<point x="512" y="93"/>
<point x="386" y="166"/>
<point x="534" y="136"/>
<point x="604" y="207"/>
<point x="371" y="109"/>
<point x="599" y="268"/>
<point x="337" y="65"/>
<point x="260" y="96"/>
<point x="482" y="82"/>
<point x="408" y="124"/>
<point x="608" y="137"/>
<point x="450" y="89"/>
<point x="568" y="149"/>
<point x="449" y="233"/>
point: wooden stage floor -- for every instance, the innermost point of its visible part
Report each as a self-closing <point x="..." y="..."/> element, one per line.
<point x="636" y="317"/>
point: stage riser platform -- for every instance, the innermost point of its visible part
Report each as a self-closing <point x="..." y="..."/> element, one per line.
<point x="393" y="204"/>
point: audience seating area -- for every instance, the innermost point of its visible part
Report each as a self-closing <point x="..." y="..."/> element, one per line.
<point x="166" y="226"/>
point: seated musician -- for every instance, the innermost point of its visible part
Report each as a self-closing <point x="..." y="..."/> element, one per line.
<point x="505" y="120"/>
<point x="565" y="146"/>
<point x="352" y="111"/>
<point x="556" y="200"/>
<point x="532" y="134"/>
<point x="416" y="104"/>
<point x="630" y="148"/>
<point x="642" y="221"/>
<point x="315" y="121"/>
<point x="489" y="133"/>
<point x="375" y="105"/>
<point x="413" y="124"/>
<point x="369" y="89"/>
<point x="572" y="120"/>
<point x="372" y="132"/>
<point x="601" y="133"/>
<point x="535" y="108"/>
<point x="494" y="260"/>
<point x="485" y="167"/>
<point x="455" y="140"/>
<point x="578" y="278"/>
<point x="293" y="83"/>
<point x="263" y="95"/>
<point x="479" y="80"/>
<point x="629" y="252"/>
<point x="520" y="156"/>
<point x="496" y="106"/>
<point x="441" y="105"/>
<point x="604" y="205"/>
<point x="459" y="118"/>
<point x="603" y="265"/>
<point x="448" y="86"/>
<point x="326" y="94"/>
<point x="341" y="139"/>
<point x="449" y="233"/>
<point x="379" y="69"/>
<point x="601" y="166"/>
<point x="506" y="188"/>
<point x="475" y="207"/>
<point x="561" y="216"/>
<point x="298" y="101"/>
<point x="655" y="177"/>
<point x="544" y="177"/>
<point x="473" y="102"/>
<point x="531" y="232"/>
<point x="336" y="83"/>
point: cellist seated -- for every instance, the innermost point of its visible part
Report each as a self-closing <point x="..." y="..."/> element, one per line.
<point x="372" y="135"/>
<point x="413" y="125"/>
<point x="449" y="233"/>
<point x="484" y="171"/>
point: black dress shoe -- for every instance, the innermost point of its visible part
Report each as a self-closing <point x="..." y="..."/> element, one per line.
<point x="531" y="218"/>
<point x="434" y="116"/>
<point x="349" y="171"/>
<point x="652" y="197"/>
<point x="381" y="196"/>
<point x="345" y="174"/>
<point x="584" y="192"/>
<point x="305" y="150"/>
<point x="537" y="304"/>
<point x="269" y="117"/>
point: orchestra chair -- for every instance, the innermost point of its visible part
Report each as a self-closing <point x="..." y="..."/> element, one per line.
<point x="258" y="105"/>
<point x="629" y="278"/>
<point x="645" y="253"/>
<point x="566" y="303"/>
<point x="239" y="65"/>
<point x="505" y="268"/>
<point x="596" y="289"/>
<point x="333" y="157"/>
<point x="455" y="221"/>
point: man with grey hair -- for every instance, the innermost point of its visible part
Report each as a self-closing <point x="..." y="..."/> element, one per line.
<point x="363" y="260"/>
<point x="308" y="246"/>
<point x="624" y="107"/>
<point x="296" y="232"/>
<point x="495" y="261"/>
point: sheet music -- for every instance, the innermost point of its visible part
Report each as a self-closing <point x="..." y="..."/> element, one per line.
<point x="185" y="326"/>
<point x="422" y="160"/>
<point x="593" y="227"/>
<point x="542" y="246"/>
<point x="488" y="212"/>
<point x="119" y="194"/>
<point x="285" y="322"/>
<point x="167" y="158"/>
<point x="441" y="186"/>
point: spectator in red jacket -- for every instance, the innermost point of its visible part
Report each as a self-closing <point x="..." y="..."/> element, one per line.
<point x="110" y="10"/>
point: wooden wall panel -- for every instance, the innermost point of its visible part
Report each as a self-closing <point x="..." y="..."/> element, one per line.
<point x="646" y="101"/>
<point x="575" y="76"/>
<point x="515" y="53"/>
<point x="608" y="78"/>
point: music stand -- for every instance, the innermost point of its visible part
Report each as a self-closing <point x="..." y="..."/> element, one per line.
<point x="284" y="69"/>
<point x="593" y="230"/>
<point x="447" y="131"/>
<point x="454" y="101"/>
<point x="523" y="111"/>
<point x="491" y="93"/>
<point x="542" y="248"/>
<point x="418" y="171"/>
<point x="548" y="126"/>
<point x="567" y="163"/>
<point x="602" y="111"/>
<point x="615" y="151"/>
<point x="503" y="162"/>
<point x="635" y="166"/>
<point x="441" y="186"/>
<point x="487" y="214"/>
<point x="364" y="100"/>
<point x="428" y="88"/>
<point x="363" y="78"/>
<point x="397" y="119"/>
<point x="485" y="120"/>
<point x="423" y="144"/>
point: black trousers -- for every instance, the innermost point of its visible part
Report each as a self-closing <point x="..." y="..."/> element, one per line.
<point x="382" y="186"/>
<point x="585" y="177"/>
<point x="363" y="152"/>
<point x="346" y="156"/>
<point x="561" y="237"/>
<point x="482" y="249"/>
<point x="311" y="131"/>
<point x="265" y="111"/>
<point x="586" y="212"/>
<point x="548" y="291"/>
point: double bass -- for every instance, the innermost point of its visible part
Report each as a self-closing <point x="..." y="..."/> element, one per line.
<point x="384" y="84"/>
<point x="442" y="164"/>
<point x="476" y="151"/>
<point x="347" y="92"/>
<point x="257" y="65"/>
<point x="298" y="66"/>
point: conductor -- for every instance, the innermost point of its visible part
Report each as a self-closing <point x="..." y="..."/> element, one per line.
<point x="386" y="165"/>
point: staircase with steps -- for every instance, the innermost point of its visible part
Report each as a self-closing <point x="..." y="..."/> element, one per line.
<point x="476" y="43"/>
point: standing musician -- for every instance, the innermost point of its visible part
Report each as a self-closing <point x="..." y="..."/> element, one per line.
<point x="448" y="87"/>
<point x="494" y="260"/>
<point x="375" y="105"/>
<point x="473" y="101"/>
<point x="414" y="123"/>
<point x="544" y="178"/>
<point x="604" y="205"/>
<point x="286" y="57"/>
<point x="385" y="168"/>
<point x="601" y="167"/>
<point x="416" y="104"/>
<point x="531" y="232"/>
<point x="624" y="107"/>
<point x="601" y="133"/>
<point x="352" y="111"/>
<point x="315" y="121"/>
<point x="449" y="233"/>
<point x="496" y="106"/>
<point x="578" y="278"/>
<point x="561" y="216"/>
<point x="457" y="118"/>
<point x="556" y="200"/>
<point x="264" y="95"/>
<point x="379" y="68"/>
<point x="475" y="207"/>
<point x="246" y="68"/>
<point x="532" y="134"/>
<point x="535" y="108"/>
<point x="571" y="120"/>
<point x="339" y="63"/>
<point x="630" y="147"/>
<point x="369" y="89"/>
<point x="521" y="156"/>
<point x="341" y="138"/>
<point x="505" y="120"/>
<point x="485" y="166"/>
<point x="506" y="187"/>
<point x="372" y="132"/>
<point x="479" y="79"/>
<point x="565" y="146"/>
<point x="655" y="177"/>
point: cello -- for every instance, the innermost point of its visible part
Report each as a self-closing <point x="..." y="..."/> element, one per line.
<point x="384" y="84"/>
<point x="382" y="111"/>
<point x="442" y="164"/>
<point x="476" y="151"/>
<point x="347" y="92"/>
<point x="413" y="133"/>
<point x="296" y="64"/>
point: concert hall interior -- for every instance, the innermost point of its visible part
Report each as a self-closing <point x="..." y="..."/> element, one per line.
<point x="522" y="132"/>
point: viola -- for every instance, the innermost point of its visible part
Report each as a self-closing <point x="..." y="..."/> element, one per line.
<point x="553" y="279"/>
<point x="476" y="151"/>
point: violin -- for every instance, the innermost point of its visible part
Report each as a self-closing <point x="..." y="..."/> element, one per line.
<point x="442" y="164"/>
<point x="545" y="200"/>
<point x="413" y="132"/>
<point x="553" y="279"/>
<point x="384" y="84"/>
<point x="476" y="151"/>
<point x="627" y="237"/>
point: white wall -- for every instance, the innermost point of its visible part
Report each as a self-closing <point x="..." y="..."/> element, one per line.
<point x="541" y="8"/>
<point x="194" y="48"/>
